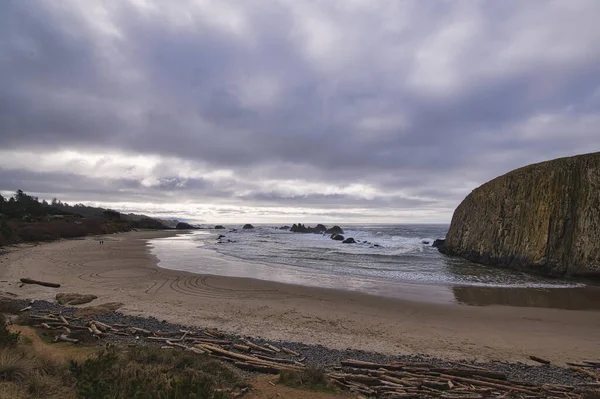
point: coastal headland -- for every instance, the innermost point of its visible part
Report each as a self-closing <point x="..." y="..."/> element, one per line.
<point x="124" y="270"/>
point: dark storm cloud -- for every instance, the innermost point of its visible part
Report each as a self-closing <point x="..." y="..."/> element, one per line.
<point x="416" y="102"/>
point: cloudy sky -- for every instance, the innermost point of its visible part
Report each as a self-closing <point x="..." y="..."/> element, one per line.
<point x="291" y="110"/>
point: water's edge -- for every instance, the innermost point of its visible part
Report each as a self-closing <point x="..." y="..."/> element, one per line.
<point x="199" y="253"/>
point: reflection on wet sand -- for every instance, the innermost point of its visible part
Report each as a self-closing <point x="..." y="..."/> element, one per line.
<point x="579" y="298"/>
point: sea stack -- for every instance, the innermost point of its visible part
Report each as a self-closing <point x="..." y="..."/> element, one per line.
<point x="542" y="218"/>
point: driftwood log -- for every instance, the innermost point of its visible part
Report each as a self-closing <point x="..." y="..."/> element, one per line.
<point x="539" y="360"/>
<point x="43" y="283"/>
<point x="95" y="329"/>
<point x="290" y="352"/>
<point x="273" y="348"/>
<point x="258" y="348"/>
<point x="65" y="338"/>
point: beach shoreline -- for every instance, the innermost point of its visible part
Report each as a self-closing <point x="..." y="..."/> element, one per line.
<point x="124" y="270"/>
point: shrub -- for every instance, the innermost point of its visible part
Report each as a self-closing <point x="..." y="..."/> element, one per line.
<point x="14" y="365"/>
<point x="7" y="235"/>
<point x="148" y="373"/>
<point x="41" y="384"/>
<point x="9" y="306"/>
<point x="7" y="339"/>
<point x="311" y="378"/>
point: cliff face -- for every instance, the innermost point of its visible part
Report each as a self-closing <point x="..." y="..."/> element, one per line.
<point x="543" y="217"/>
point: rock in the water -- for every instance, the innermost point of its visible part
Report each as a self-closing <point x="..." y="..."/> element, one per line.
<point x="220" y="236"/>
<point x="349" y="240"/>
<point x="300" y="228"/>
<point x="425" y="242"/>
<point x="319" y="228"/>
<point x="334" y="230"/>
<point x="184" y="226"/>
<point x="438" y="243"/>
<point x="337" y="237"/>
<point x="543" y="218"/>
<point x="284" y="227"/>
<point x="248" y="227"/>
<point x="219" y="227"/>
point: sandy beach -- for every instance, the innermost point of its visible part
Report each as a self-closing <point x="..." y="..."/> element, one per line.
<point x="123" y="270"/>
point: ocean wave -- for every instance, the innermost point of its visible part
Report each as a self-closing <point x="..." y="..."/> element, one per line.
<point x="404" y="255"/>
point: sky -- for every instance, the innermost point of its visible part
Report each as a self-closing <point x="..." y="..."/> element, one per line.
<point x="291" y="110"/>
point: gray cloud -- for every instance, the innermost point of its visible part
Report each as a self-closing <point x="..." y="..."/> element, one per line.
<point x="396" y="107"/>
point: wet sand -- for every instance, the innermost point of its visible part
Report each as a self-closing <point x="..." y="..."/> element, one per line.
<point x="123" y="270"/>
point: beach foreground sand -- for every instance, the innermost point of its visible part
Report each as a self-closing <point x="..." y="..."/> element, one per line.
<point x="123" y="270"/>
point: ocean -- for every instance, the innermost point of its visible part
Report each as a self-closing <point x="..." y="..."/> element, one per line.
<point x="388" y="260"/>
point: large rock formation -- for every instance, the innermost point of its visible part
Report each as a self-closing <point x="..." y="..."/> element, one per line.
<point x="543" y="218"/>
<point x="300" y="228"/>
<point x="334" y="230"/>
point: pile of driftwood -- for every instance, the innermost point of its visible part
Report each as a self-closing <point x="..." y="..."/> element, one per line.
<point x="423" y="380"/>
<point x="393" y="380"/>
<point x="243" y="353"/>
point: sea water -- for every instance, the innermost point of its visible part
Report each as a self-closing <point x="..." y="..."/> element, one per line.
<point x="388" y="260"/>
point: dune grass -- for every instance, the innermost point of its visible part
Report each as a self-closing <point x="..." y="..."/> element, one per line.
<point x="146" y="372"/>
<point x="29" y="370"/>
<point x="313" y="379"/>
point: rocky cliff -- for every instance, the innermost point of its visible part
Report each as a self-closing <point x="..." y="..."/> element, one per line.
<point x="543" y="218"/>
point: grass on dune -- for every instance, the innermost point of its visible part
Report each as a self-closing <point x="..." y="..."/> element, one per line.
<point x="313" y="379"/>
<point x="115" y="372"/>
<point x="146" y="372"/>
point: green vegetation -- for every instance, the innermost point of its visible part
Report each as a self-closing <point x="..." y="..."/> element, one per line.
<point x="115" y="372"/>
<point x="313" y="379"/>
<point x="7" y="235"/>
<point x="153" y="373"/>
<point x="37" y="375"/>
<point x="8" y="306"/>
<point x="7" y="339"/>
<point x="25" y="218"/>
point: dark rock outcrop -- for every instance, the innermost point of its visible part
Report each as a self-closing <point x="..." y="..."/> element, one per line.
<point x="320" y="228"/>
<point x="284" y="227"/>
<point x="438" y="243"/>
<point x="349" y="240"/>
<point x="337" y="237"/>
<point x="334" y="230"/>
<point x="248" y="226"/>
<point x="219" y="227"/>
<point x="543" y="218"/>
<point x="300" y="228"/>
<point x="184" y="226"/>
